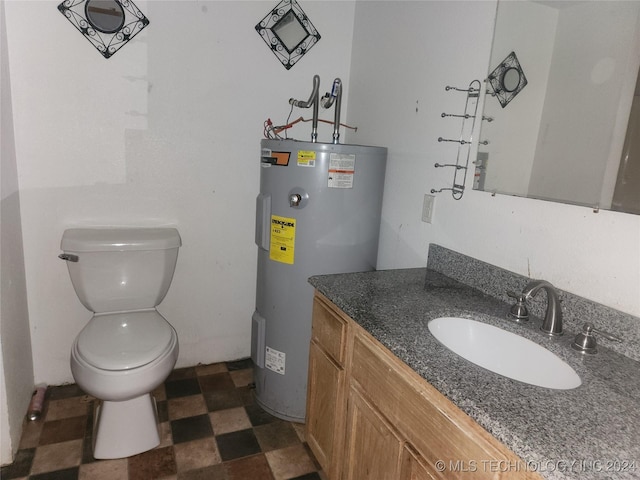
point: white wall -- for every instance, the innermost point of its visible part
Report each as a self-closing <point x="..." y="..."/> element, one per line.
<point x="166" y="131"/>
<point x="16" y="366"/>
<point x="396" y="97"/>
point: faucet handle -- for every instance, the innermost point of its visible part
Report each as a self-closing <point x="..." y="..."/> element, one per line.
<point x="585" y="341"/>
<point x="518" y="311"/>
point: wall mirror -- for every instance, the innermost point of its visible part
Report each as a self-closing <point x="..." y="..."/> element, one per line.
<point x="288" y="32"/>
<point x="573" y="134"/>
<point x="107" y="24"/>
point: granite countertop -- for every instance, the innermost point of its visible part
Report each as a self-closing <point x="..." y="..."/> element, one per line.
<point x="591" y="432"/>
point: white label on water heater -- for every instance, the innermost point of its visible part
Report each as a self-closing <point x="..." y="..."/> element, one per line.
<point x="341" y="170"/>
<point x="275" y="360"/>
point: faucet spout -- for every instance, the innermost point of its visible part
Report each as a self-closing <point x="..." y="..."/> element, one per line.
<point x="552" y="324"/>
<point x="328" y="100"/>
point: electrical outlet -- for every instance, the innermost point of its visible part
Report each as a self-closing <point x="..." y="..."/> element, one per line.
<point x="427" y="208"/>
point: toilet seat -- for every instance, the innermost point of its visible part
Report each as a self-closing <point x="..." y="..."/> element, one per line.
<point x="124" y="341"/>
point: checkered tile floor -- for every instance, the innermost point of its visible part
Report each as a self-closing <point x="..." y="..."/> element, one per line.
<point x="211" y="429"/>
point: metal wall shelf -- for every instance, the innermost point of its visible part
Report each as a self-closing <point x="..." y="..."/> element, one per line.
<point x="468" y="120"/>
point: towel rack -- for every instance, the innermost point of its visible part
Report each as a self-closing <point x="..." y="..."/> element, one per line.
<point x="468" y="121"/>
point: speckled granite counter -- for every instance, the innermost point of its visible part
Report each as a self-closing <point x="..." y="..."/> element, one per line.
<point x="591" y="432"/>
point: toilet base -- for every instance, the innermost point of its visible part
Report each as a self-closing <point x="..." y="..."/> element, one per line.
<point x="123" y="429"/>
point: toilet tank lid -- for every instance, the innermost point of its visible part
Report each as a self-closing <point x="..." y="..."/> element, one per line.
<point x="119" y="239"/>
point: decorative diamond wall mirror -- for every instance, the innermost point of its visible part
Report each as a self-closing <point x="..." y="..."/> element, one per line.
<point x="288" y="32"/>
<point x="508" y="79"/>
<point x="107" y="24"/>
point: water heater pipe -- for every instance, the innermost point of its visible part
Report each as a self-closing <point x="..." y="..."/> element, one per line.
<point x="327" y="102"/>
<point x="313" y="101"/>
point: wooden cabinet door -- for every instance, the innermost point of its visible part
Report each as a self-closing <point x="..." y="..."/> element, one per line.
<point x="413" y="467"/>
<point x="325" y="410"/>
<point x="373" y="448"/>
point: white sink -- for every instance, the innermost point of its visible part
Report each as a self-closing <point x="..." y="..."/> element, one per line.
<point x="504" y="353"/>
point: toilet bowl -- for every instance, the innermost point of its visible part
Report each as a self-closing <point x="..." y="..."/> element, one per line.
<point x="127" y="349"/>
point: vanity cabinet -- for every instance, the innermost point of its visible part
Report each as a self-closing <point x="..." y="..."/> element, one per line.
<point x="371" y="417"/>
<point x="326" y="391"/>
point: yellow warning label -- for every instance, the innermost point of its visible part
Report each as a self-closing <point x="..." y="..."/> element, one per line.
<point x="283" y="239"/>
<point x="306" y="158"/>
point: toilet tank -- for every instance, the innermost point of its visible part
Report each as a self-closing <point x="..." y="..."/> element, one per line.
<point x="121" y="269"/>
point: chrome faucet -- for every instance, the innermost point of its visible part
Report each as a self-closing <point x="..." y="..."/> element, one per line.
<point x="552" y="324"/>
<point x="585" y="341"/>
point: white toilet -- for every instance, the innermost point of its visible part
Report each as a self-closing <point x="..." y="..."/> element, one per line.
<point x="127" y="349"/>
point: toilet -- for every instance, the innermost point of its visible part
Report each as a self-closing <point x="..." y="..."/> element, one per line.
<point x="127" y="349"/>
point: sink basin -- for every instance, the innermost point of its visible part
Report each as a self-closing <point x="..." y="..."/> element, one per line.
<point x="504" y="353"/>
